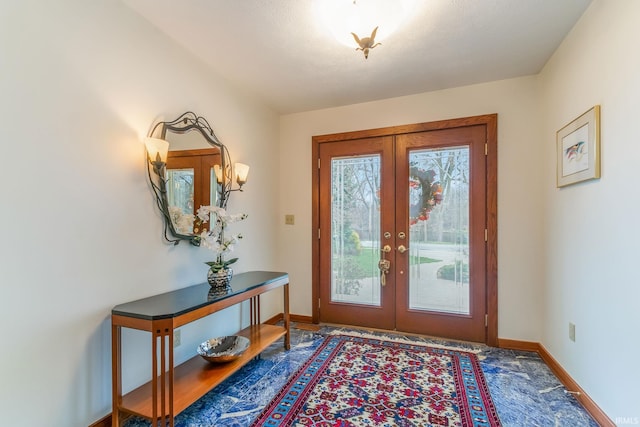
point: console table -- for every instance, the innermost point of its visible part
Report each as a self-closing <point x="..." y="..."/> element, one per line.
<point x="173" y="389"/>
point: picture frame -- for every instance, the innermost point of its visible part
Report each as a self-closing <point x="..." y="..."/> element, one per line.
<point x="578" y="149"/>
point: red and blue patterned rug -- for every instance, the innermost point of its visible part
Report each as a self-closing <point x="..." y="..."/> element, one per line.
<point x="354" y="381"/>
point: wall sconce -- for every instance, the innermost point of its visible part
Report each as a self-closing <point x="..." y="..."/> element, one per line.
<point x="218" y="171"/>
<point x="241" y="171"/>
<point x="157" y="151"/>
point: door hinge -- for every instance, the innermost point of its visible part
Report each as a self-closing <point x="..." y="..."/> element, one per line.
<point x="318" y="303"/>
<point x="318" y="234"/>
<point x="486" y="235"/>
<point x="486" y="320"/>
<point x="486" y="149"/>
<point x="318" y="162"/>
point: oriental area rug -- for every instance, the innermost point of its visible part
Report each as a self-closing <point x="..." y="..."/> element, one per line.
<point x="353" y="381"/>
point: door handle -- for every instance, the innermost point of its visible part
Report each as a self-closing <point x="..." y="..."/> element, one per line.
<point x="384" y="264"/>
<point x="402" y="249"/>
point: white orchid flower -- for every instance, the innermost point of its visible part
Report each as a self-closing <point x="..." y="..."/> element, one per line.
<point x="214" y="239"/>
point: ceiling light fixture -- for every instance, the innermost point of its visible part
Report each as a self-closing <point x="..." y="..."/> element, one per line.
<point x="366" y="43"/>
<point x="368" y="22"/>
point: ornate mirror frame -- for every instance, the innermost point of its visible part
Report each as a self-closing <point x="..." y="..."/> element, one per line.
<point x="187" y="122"/>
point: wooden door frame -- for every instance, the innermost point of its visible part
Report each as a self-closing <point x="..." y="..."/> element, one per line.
<point x="490" y="121"/>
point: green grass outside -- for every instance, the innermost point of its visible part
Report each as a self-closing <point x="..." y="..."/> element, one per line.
<point x="369" y="257"/>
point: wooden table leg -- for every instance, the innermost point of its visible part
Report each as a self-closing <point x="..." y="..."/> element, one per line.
<point x="254" y="310"/>
<point x="116" y="374"/>
<point x="162" y="376"/>
<point x="171" y="370"/>
<point x="287" y="337"/>
<point x="154" y="377"/>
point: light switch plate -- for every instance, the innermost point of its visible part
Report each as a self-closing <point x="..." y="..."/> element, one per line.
<point x="572" y="331"/>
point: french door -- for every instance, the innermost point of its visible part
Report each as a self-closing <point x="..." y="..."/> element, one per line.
<point x="403" y="230"/>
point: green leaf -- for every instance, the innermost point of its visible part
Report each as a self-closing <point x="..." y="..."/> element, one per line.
<point x="231" y="261"/>
<point x="220" y="265"/>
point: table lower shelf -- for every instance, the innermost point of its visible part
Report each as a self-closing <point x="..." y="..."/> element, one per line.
<point x="196" y="376"/>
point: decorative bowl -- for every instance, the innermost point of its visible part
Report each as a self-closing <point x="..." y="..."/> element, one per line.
<point x="223" y="349"/>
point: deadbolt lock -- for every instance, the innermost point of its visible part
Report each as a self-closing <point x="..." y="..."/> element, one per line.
<point x="401" y="235"/>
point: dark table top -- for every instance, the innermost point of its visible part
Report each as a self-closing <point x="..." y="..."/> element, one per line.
<point x="178" y="302"/>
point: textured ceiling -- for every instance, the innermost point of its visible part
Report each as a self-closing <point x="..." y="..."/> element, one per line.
<point x="276" y="49"/>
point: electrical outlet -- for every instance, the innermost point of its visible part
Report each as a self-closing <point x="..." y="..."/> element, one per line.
<point x="572" y="332"/>
<point x="289" y="219"/>
<point x="176" y="338"/>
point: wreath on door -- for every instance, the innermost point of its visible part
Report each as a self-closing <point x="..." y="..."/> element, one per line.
<point x="424" y="194"/>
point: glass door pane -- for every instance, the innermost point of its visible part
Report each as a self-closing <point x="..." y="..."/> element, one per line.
<point x="439" y="230"/>
<point x="213" y="188"/>
<point x="180" y="189"/>
<point x="180" y="194"/>
<point x="355" y="230"/>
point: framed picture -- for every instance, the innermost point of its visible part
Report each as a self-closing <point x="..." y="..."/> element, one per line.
<point x="578" y="149"/>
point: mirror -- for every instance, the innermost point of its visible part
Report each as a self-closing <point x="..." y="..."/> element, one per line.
<point x="187" y="180"/>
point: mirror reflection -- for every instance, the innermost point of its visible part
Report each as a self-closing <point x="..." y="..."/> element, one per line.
<point x="191" y="183"/>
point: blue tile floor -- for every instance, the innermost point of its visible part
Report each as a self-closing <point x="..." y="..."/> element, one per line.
<point x="524" y="390"/>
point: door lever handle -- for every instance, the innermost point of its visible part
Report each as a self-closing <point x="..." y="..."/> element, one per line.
<point x="384" y="265"/>
<point x="402" y="249"/>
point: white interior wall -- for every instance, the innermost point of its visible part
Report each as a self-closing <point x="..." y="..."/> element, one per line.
<point x="519" y="192"/>
<point x="81" y="84"/>
<point x="591" y="230"/>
